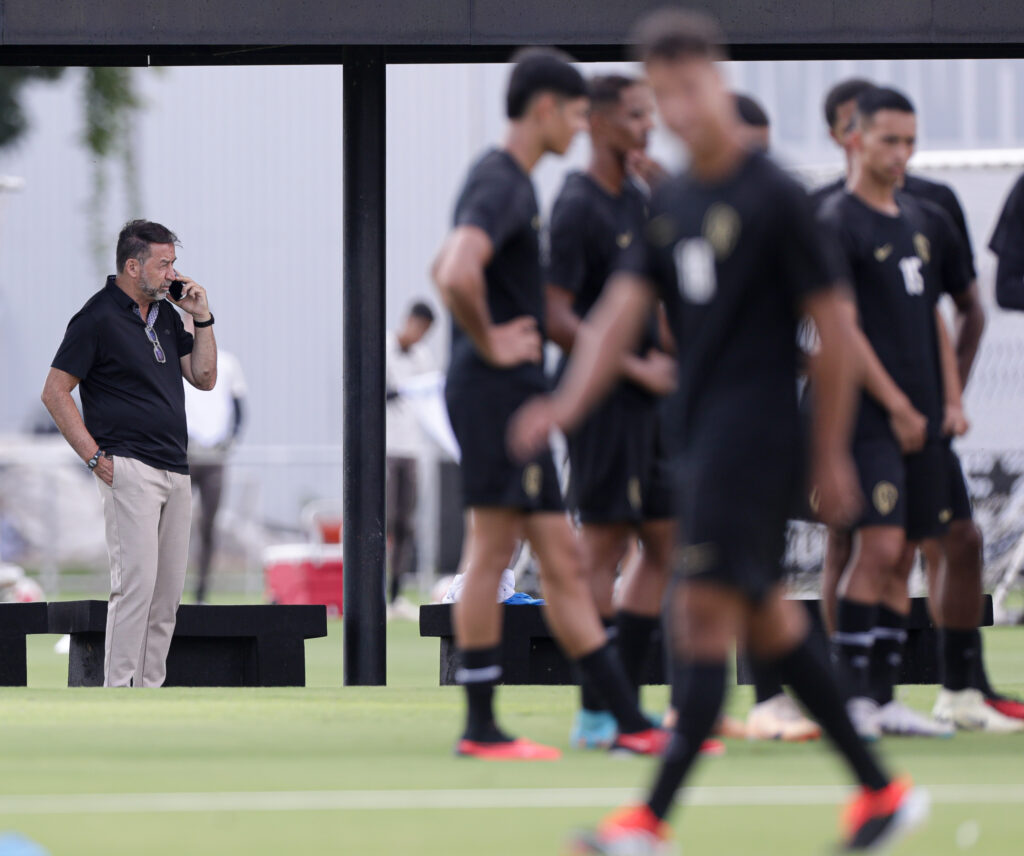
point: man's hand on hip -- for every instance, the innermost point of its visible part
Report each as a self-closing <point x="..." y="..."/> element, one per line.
<point x="104" y="469"/>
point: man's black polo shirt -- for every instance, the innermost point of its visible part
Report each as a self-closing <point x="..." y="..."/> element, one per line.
<point x="133" y="405"/>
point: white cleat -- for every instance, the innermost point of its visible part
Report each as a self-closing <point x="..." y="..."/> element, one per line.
<point x="779" y="718"/>
<point x="863" y="713"/>
<point x="898" y="720"/>
<point x="966" y="709"/>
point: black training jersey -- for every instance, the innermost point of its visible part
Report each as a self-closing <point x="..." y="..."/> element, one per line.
<point x="732" y="261"/>
<point x="498" y="197"/>
<point x="590" y="229"/>
<point x="820" y="194"/>
<point x="899" y="266"/>
<point x="1008" y="238"/>
<point x="945" y="198"/>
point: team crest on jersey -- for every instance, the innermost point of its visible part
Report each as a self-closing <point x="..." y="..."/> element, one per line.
<point x="624" y="240"/>
<point x="533" y="478"/>
<point x="633" y="493"/>
<point x="923" y="247"/>
<point x="884" y="497"/>
<point x="694" y="559"/>
<point x="721" y="229"/>
<point x="945" y="515"/>
<point x="661" y="230"/>
<point x="883" y="252"/>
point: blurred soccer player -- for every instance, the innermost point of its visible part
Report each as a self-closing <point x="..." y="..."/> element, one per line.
<point x="953" y="563"/>
<point x="489" y="274"/>
<point x="733" y="251"/>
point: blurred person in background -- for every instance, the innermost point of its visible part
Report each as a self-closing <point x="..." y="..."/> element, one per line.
<point x="405" y="357"/>
<point x="128" y="352"/>
<point x="215" y="419"/>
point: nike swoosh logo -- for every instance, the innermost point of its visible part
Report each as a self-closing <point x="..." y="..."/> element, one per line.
<point x="883" y="252"/>
<point x="624" y="240"/>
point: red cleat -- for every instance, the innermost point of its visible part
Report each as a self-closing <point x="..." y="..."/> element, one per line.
<point x="634" y="829"/>
<point x="875" y="819"/>
<point x="508" y="750"/>
<point x="712" y="748"/>
<point x="652" y="741"/>
<point x="1010" y="707"/>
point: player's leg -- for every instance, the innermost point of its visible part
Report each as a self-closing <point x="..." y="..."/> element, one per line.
<point x="490" y="539"/>
<point x="641" y="592"/>
<point x="966" y="699"/>
<point x="210" y="478"/>
<point x="574" y="621"/>
<point x="877" y="551"/>
<point x="777" y="636"/>
<point x="602" y="548"/>
<point x="838" y="549"/>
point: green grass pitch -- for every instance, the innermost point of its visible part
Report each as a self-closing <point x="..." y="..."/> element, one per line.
<point x="370" y="771"/>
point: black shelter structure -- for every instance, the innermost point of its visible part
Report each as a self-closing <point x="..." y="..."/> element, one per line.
<point x="365" y="36"/>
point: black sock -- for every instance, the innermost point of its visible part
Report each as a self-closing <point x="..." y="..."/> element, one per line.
<point x="603" y="670"/>
<point x="766" y="682"/>
<point x="890" y="634"/>
<point x="634" y="641"/>
<point x="816" y="687"/>
<point x="479" y="672"/>
<point x="591" y="697"/>
<point x="700" y="690"/>
<point x="959" y="657"/>
<point x="852" y="643"/>
<point x="979" y="675"/>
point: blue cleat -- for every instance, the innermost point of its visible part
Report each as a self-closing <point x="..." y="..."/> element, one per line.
<point x="593" y="729"/>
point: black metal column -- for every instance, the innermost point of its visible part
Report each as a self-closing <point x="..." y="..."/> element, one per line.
<point x="363" y="373"/>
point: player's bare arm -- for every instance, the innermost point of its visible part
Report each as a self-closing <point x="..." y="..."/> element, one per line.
<point x="836" y="374"/>
<point x="58" y="401"/>
<point x="458" y="273"/>
<point x="612" y="329"/>
<point x="560" y="317"/>
<point x="970" y="324"/>
<point x="954" y="420"/>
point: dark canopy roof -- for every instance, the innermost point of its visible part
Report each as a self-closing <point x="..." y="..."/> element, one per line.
<point x="461" y="30"/>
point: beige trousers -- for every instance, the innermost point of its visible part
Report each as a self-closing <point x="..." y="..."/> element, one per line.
<point x="148" y="514"/>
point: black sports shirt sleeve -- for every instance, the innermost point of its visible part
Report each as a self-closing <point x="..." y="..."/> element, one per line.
<point x="77" y="352"/>
<point x="186" y="340"/>
<point x="805" y="265"/>
<point x="490" y="203"/>
<point x="955" y="267"/>
<point x="1008" y="238"/>
<point x="567" y="252"/>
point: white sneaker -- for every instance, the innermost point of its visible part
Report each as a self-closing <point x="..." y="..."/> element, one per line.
<point x="403" y="609"/>
<point x="779" y="718"/>
<point x="863" y="713"/>
<point x="897" y="719"/>
<point x="966" y="709"/>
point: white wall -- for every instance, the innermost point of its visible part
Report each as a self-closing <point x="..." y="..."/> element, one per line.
<point x="245" y="164"/>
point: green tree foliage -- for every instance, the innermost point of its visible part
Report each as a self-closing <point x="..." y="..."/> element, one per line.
<point x="13" y="122"/>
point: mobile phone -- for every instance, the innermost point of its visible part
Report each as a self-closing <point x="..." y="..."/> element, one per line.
<point x="175" y="289"/>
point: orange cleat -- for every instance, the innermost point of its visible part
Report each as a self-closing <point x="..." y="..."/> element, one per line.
<point x="507" y="750"/>
<point x="1011" y="707"/>
<point x="875" y="819"/>
<point x="633" y="830"/>
<point x="712" y="748"/>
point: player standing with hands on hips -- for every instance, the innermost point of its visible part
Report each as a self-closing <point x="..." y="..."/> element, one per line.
<point x="127" y="351"/>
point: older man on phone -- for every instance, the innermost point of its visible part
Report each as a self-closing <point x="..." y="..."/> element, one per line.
<point x="127" y="350"/>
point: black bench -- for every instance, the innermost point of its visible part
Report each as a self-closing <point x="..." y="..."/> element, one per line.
<point x="212" y="646"/>
<point x="18" y="620"/>
<point x="529" y="654"/>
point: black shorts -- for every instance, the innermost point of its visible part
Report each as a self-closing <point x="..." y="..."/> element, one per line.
<point x="733" y="517"/>
<point x="959" y="496"/>
<point x="480" y="410"/>
<point x="618" y="468"/>
<point x="909" y="491"/>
